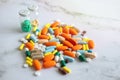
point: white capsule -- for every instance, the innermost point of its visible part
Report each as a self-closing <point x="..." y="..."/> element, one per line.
<point x="57" y="65"/>
<point x="25" y="65"/>
<point x="61" y="58"/>
<point x="25" y="41"/>
<point x="77" y="54"/>
<point x="37" y="73"/>
<point x="26" y="49"/>
<point x="22" y="39"/>
<point x="61" y="52"/>
<point x="57" y="58"/>
<point x="88" y="59"/>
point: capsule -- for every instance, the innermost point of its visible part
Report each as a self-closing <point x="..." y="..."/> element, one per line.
<point x="49" y="47"/>
<point x="37" y="65"/>
<point x="66" y="69"/>
<point x="48" y="57"/>
<point x="49" y="50"/>
<point x="69" y="59"/>
<point x="51" y="31"/>
<point x="28" y="36"/>
<point x="49" y="64"/>
<point x="21" y="47"/>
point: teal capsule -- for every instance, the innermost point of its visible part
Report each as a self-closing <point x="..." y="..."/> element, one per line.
<point x="90" y="51"/>
<point x="62" y="63"/>
<point x="70" y="59"/>
<point x="28" y="53"/>
<point x="82" y="58"/>
<point x="49" y="50"/>
<point x="50" y="47"/>
<point x="51" y="31"/>
<point x="57" y="54"/>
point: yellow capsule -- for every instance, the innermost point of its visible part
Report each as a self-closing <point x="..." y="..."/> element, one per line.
<point x="32" y="42"/>
<point x="59" y="45"/>
<point x="34" y="28"/>
<point x="47" y="53"/>
<point x="86" y="39"/>
<point x="29" y="59"/>
<point x="60" y="29"/>
<point x="29" y="62"/>
<point x="28" y="36"/>
<point x="87" y="48"/>
<point x="54" y="51"/>
<point x="50" y="37"/>
<point x="84" y="48"/>
<point x="48" y="25"/>
<point x="21" y="46"/>
<point x="39" y="33"/>
<point x="66" y="69"/>
<point x="54" y="28"/>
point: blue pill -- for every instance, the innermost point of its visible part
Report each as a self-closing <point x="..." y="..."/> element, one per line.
<point x="54" y="40"/>
<point x="70" y="59"/>
<point x="33" y="38"/>
<point x="49" y="50"/>
<point x="81" y="51"/>
<point x="51" y="31"/>
<point x="50" y="47"/>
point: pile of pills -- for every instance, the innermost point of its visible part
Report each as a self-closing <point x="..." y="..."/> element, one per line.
<point x="56" y="45"/>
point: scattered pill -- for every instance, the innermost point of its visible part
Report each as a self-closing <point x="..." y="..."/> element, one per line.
<point x="56" y="45"/>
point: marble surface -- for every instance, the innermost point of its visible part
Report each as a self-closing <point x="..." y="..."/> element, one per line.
<point x="104" y="31"/>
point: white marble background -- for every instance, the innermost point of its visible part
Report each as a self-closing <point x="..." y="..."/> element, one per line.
<point x="103" y="28"/>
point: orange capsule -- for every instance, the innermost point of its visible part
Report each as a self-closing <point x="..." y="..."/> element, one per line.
<point x="69" y="53"/>
<point x="67" y="43"/>
<point x="57" y="31"/>
<point x="61" y="48"/>
<point x="77" y="47"/>
<point x="43" y="37"/>
<point x="49" y="64"/>
<point x="73" y="41"/>
<point x="37" y="65"/>
<point x="91" y="44"/>
<point x="48" y="57"/>
<point x="51" y="43"/>
<point x="29" y="46"/>
<point x="65" y="30"/>
<point x="44" y="31"/>
<point x="55" y="24"/>
<point x="66" y="36"/>
<point x="73" y="31"/>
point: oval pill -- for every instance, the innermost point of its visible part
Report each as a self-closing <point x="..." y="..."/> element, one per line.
<point x="55" y="24"/>
<point x="76" y="47"/>
<point x="71" y="40"/>
<point x="44" y="31"/>
<point x="49" y="64"/>
<point x="73" y="31"/>
<point x="48" y="57"/>
<point x="57" y="32"/>
<point x="51" y="43"/>
<point x="69" y="53"/>
<point x="61" y="48"/>
<point x="43" y="37"/>
<point x="66" y="36"/>
<point x="91" y="44"/>
<point x="67" y="43"/>
<point x="37" y="65"/>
